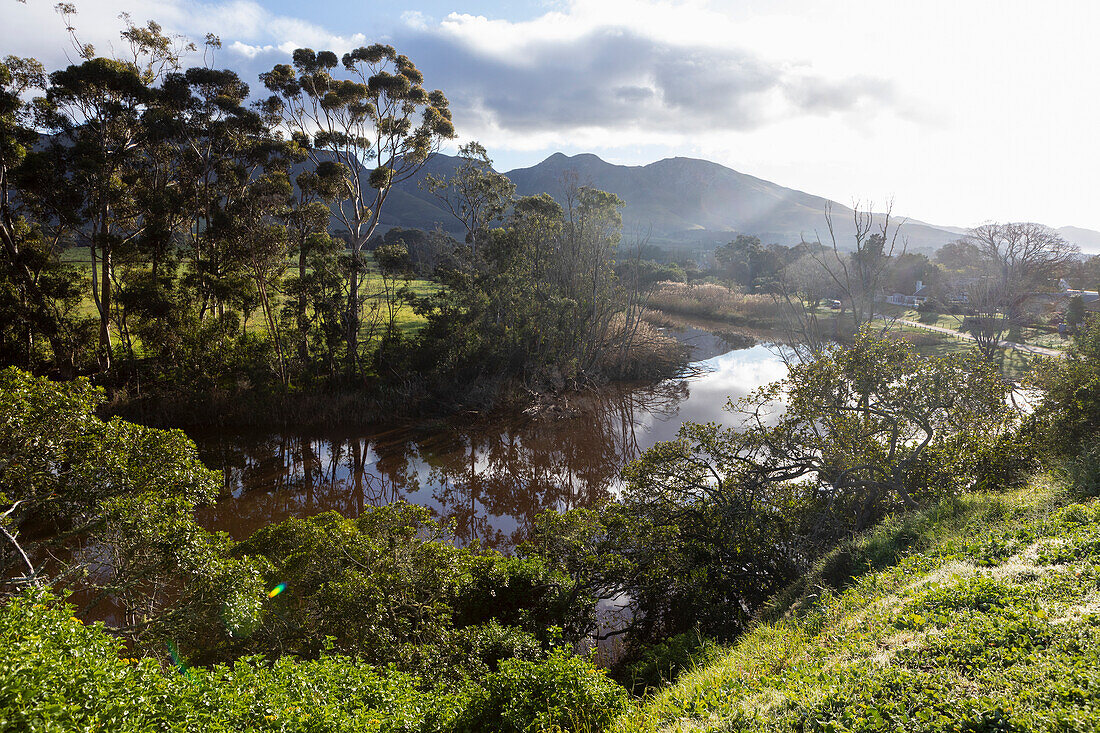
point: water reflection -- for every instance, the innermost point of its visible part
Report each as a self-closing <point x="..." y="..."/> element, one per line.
<point x="489" y="478"/>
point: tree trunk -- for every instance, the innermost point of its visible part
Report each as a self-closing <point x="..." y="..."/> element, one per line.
<point x="352" y="315"/>
<point x="303" y="323"/>
<point x="105" y="296"/>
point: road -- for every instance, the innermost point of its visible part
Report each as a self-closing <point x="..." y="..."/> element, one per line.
<point x="1027" y="348"/>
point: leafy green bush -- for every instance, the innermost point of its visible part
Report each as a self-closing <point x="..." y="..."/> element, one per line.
<point x="113" y="504"/>
<point x="387" y="588"/>
<point x="657" y="665"/>
<point x="712" y="525"/>
<point x="562" y="693"/>
<point x="58" y="674"/>
<point x="1070" y="409"/>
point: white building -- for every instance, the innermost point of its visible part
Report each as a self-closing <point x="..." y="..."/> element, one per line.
<point x="919" y="296"/>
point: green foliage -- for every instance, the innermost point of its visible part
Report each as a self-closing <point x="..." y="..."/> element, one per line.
<point x="386" y="588"/>
<point x="70" y="481"/>
<point x="657" y="665"/>
<point x="746" y="262"/>
<point x="713" y="524"/>
<point x="564" y="693"/>
<point x="1075" y="312"/>
<point x="1068" y="417"/>
<point x="58" y="674"/>
<point x="539" y="300"/>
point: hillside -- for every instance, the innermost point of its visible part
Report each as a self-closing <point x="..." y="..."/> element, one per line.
<point x="672" y="201"/>
<point x="683" y="201"/>
<point x="981" y="615"/>
<point x="1087" y="239"/>
<point x="686" y="199"/>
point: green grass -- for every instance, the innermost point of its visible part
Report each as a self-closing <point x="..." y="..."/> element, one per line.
<point x="980" y="615"/>
<point x="1012" y="363"/>
<point x="408" y="321"/>
<point x="1036" y="336"/>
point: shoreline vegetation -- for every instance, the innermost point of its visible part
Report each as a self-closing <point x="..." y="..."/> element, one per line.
<point x="652" y="356"/>
<point x="963" y="593"/>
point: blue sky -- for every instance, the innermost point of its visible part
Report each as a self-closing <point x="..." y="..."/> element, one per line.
<point x="959" y="112"/>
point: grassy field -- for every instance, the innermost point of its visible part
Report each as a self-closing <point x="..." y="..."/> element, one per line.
<point x="1013" y="364"/>
<point x="408" y="321"/>
<point x="982" y="614"/>
<point x="1034" y="336"/>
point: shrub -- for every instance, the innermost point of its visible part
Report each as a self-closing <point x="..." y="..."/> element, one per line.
<point x="562" y="693"/>
<point x="128" y="492"/>
<point x="57" y="674"/>
<point x="387" y="588"/>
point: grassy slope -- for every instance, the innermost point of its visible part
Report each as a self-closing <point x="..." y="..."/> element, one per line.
<point x="982" y="615"/>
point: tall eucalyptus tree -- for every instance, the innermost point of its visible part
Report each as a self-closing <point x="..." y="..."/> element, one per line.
<point x="375" y="119"/>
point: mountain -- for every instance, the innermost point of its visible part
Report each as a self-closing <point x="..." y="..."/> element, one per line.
<point x="673" y="201"/>
<point x="686" y="199"/>
<point x="1087" y="239"/>
<point x="683" y="201"/>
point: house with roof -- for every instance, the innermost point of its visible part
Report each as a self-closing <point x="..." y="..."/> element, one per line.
<point x="920" y="294"/>
<point x="1088" y="296"/>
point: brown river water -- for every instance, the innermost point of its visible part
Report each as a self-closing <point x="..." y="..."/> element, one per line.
<point x="490" y="476"/>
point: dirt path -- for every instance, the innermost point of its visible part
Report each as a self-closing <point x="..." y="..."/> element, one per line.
<point x="1027" y="348"/>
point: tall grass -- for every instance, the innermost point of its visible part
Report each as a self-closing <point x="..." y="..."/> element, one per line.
<point x="715" y="301"/>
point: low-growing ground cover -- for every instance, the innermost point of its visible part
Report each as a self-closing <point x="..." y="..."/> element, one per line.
<point x="980" y="615"/>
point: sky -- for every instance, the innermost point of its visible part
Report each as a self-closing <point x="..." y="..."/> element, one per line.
<point x="959" y="112"/>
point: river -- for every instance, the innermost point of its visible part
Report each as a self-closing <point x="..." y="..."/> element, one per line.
<point x="490" y="476"/>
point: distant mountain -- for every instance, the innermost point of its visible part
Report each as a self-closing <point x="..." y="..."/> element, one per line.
<point x="1087" y="239"/>
<point x="682" y="201"/>
<point x="686" y="199"/>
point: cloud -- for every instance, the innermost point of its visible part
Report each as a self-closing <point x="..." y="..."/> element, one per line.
<point x="599" y="74"/>
<point x="588" y="67"/>
<point x="248" y="30"/>
<point x="617" y="78"/>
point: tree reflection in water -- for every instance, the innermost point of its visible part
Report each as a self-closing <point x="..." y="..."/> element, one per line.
<point x="490" y="477"/>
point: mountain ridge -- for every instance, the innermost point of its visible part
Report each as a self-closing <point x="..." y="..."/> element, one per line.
<point x="679" y="200"/>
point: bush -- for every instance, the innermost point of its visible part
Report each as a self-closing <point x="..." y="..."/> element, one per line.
<point x="387" y="588"/>
<point x="930" y="306"/>
<point x="1069" y="414"/>
<point x="73" y="481"/>
<point x="1083" y="470"/>
<point x="57" y="674"/>
<point x="562" y="693"/>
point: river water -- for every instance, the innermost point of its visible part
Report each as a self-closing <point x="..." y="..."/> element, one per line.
<point x="490" y="476"/>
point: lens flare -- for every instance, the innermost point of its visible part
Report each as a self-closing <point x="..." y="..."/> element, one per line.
<point x="177" y="660"/>
<point x="276" y="590"/>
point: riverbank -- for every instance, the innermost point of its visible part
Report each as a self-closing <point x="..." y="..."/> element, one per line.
<point x="655" y="355"/>
<point x="716" y="303"/>
<point x="980" y="614"/>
